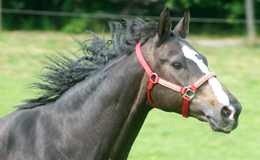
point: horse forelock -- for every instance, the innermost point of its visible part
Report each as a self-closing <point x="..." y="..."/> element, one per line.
<point x="65" y="71"/>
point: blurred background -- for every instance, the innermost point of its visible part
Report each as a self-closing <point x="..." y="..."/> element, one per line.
<point x="225" y="31"/>
<point x="208" y="17"/>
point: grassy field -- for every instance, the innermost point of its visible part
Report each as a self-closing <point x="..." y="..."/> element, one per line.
<point x="164" y="136"/>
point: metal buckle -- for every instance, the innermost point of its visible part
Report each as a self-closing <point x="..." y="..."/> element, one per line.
<point x="155" y="77"/>
<point x="189" y="93"/>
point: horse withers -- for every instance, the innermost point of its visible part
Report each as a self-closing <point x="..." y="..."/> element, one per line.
<point x="93" y="106"/>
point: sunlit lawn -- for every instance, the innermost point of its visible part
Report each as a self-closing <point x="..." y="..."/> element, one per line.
<point x="164" y="136"/>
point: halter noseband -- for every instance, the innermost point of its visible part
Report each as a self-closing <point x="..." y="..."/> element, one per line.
<point x="187" y="92"/>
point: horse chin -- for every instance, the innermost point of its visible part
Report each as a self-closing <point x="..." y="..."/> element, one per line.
<point x="221" y="125"/>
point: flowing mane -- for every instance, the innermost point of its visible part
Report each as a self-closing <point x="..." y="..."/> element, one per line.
<point x="64" y="71"/>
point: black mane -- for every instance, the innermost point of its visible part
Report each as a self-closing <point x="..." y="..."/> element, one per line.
<point x="64" y="71"/>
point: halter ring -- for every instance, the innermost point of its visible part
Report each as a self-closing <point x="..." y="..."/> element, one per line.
<point x="155" y="77"/>
<point x="189" y="93"/>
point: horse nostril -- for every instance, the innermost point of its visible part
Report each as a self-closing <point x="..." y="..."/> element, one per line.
<point x="227" y="113"/>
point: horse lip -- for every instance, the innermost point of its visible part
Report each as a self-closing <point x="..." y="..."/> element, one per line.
<point x="215" y="126"/>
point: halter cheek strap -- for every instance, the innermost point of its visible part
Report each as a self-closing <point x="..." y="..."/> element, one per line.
<point x="187" y="92"/>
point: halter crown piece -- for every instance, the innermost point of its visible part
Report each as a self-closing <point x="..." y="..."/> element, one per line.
<point x="187" y="92"/>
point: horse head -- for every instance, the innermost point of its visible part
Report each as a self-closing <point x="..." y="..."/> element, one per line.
<point x="172" y="58"/>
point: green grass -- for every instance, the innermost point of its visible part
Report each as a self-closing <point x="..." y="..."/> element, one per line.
<point x="164" y="136"/>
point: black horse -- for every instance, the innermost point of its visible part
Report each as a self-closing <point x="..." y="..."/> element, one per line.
<point x="93" y="106"/>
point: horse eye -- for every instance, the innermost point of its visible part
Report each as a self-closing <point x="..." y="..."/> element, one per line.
<point x="177" y="65"/>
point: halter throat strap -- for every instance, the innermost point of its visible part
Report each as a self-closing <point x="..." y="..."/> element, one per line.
<point x="187" y="92"/>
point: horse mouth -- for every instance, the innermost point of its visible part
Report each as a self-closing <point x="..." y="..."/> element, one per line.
<point x="220" y="125"/>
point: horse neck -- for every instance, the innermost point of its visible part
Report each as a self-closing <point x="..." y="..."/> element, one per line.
<point x="132" y="105"/>
<point x="113" y="104"/>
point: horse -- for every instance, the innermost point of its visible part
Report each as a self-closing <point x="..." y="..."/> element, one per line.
<point x="93" y="106"/>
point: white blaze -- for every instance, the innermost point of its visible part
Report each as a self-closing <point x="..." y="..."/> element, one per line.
<point x="214" y="83"/>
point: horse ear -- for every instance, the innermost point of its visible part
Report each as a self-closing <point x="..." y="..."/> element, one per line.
<point x="182" y="28"/>
<point x="164" y="24"/>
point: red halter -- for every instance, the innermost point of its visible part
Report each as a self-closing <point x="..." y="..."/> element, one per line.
<point x="187" y="92"/>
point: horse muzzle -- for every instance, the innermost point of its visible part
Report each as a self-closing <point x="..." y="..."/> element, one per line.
<point x="226" y="121"/>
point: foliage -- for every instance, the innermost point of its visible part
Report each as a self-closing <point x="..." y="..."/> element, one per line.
<point x="213" y="9"/>
<point x="80" y="25"/>
<point x="199" y="8"/>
